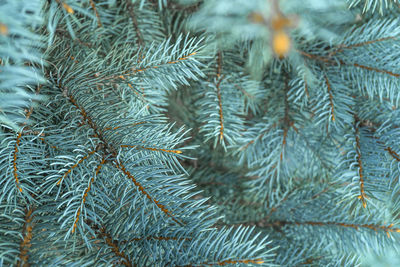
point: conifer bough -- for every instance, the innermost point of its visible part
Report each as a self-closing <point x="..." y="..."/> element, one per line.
<point x="199" y="133"/>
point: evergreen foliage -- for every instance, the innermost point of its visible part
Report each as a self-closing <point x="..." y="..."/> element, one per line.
<point x="199" y="132"/>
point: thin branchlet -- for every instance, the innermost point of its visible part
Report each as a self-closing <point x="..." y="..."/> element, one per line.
<point x="386" y="228"/>
<point x="227" y="262"/>
<point x="126" y="74"/>
<point x="93" y="5"/>
<point x="76" y="165"/>
<point x="362" y="195"/>
<point x="103" y="234"/>
<point x="23" y="259"/>
<point x="335" y="62"/>
<point x="286" y="118"/>
<point x="343" y="47"/>
<point x="259" y="136"/>
<point x="393" y="153"/>
<point x="122" y="167"/>
<point x="139" y="37"/>
<point x="154" y="149"/>
<point x="157" y="238"/>
<point x="329" y="87"/>
<point x="218" y="86"/>
<point x="86" y="193"/>
<point x="15" y="168"/>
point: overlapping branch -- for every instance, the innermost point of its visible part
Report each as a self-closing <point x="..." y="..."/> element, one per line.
<point x="103" y="234"/>
<point x="121" y="167"/>
<point x="118" y="164"/>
